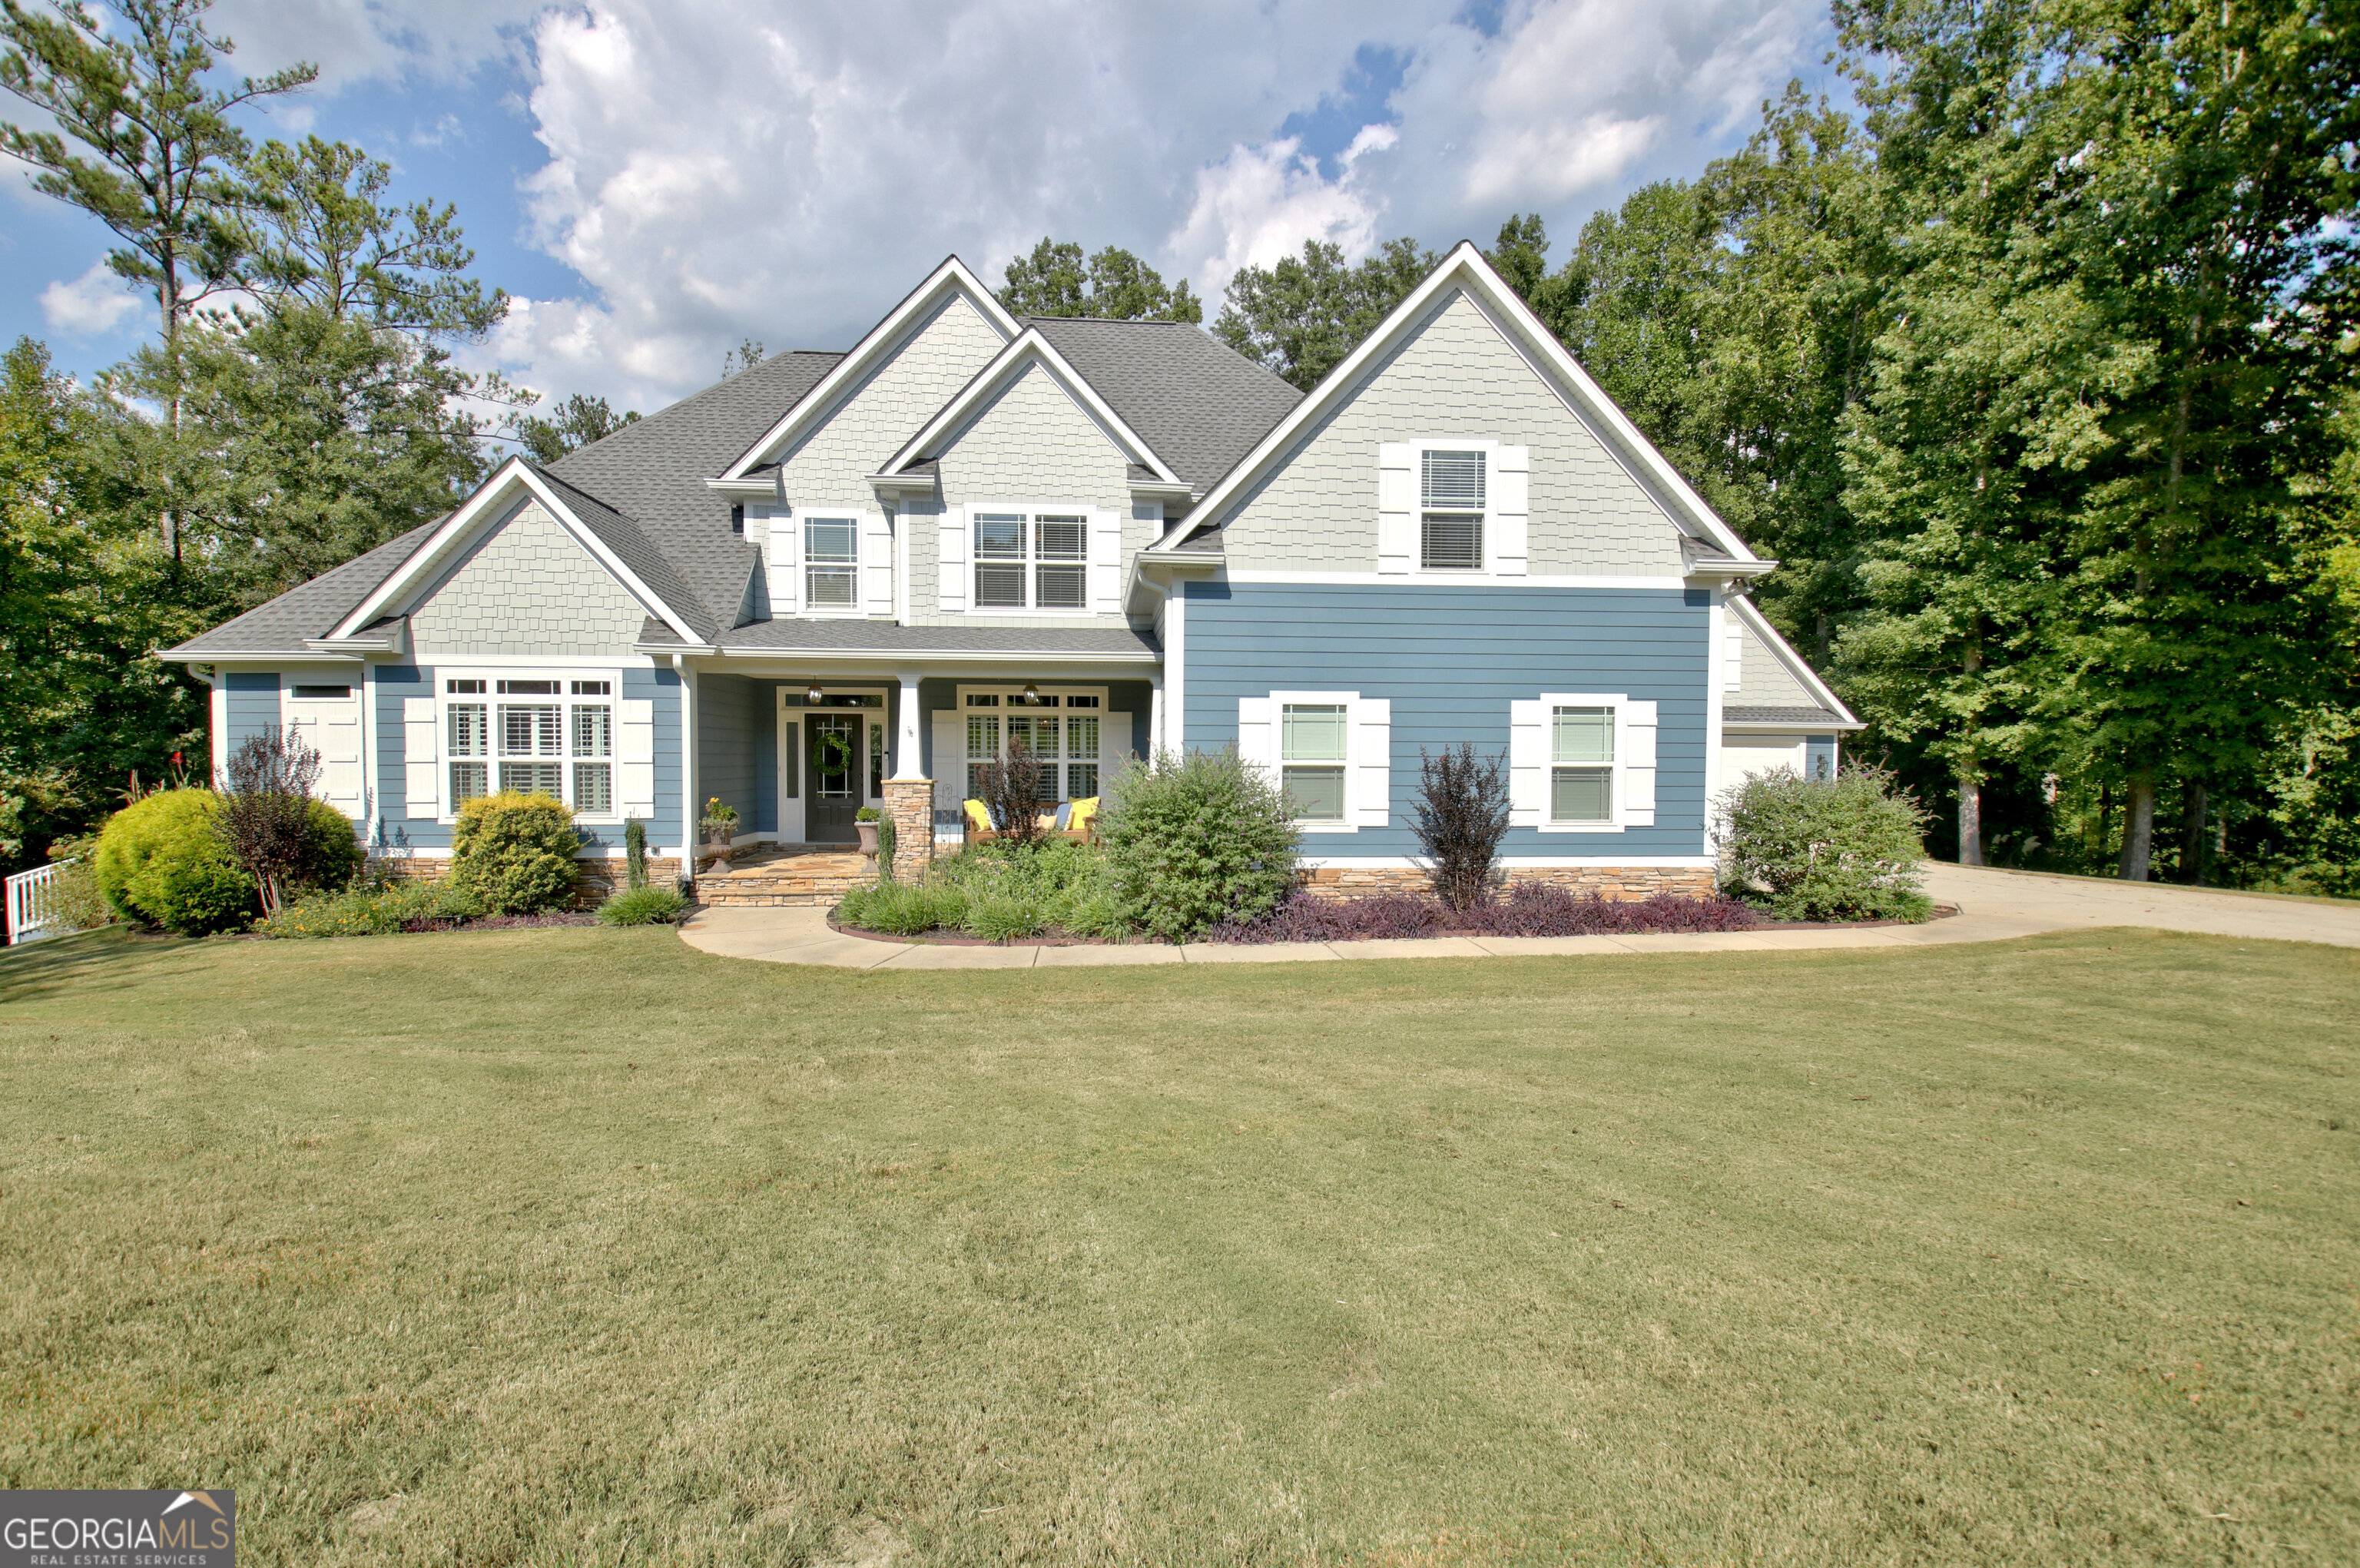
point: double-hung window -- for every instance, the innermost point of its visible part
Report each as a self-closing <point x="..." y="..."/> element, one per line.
<point x="530" y="732"/>
<point x="1311" y="753"/>
<point x="1450" y="523"/>
<point x="470" y="741"/>
<point x="1031" y="560"/>
<point x="831" y="562"/>
<point x="1581" y="764"/>
<point x="591" y="730"/>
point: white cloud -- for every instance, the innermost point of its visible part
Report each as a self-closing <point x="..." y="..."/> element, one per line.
<point x="91" y="305"/>
<point x="749" y="168"/>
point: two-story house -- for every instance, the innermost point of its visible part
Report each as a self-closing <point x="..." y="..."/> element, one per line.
<point x="842" y="580"/>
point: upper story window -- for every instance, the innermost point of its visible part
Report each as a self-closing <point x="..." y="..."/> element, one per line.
<point x="1450" y="498"/>
<point x="1031" y="560"/>
<point x="831" y="562"/>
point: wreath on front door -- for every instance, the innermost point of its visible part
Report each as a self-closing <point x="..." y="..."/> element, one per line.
<point x="834" y="755"/>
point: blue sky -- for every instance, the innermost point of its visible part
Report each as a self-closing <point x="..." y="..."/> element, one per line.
<point x="655" y="179"/>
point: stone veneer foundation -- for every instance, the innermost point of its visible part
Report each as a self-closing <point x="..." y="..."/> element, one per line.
<point x="1606" y="881"/>
<point x="595" y="880"/>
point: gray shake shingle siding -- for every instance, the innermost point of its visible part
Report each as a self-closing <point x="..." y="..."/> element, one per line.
<point x="1196" y="401"/>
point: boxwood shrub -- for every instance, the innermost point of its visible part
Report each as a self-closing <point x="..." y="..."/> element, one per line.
<point x="514" y="853"/>
<point x="159" y="862"/>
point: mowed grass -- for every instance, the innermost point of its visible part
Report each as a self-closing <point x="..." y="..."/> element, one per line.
<point x="578" y="1246"/>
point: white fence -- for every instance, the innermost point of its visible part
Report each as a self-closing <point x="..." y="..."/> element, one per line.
<point x="32" y="907"/>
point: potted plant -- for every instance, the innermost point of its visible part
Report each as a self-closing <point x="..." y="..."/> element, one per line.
<point x="720" y="825"/>
<point x="864" y="822"/>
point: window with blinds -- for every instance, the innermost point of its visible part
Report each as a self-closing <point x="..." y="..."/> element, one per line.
<point x="1311" y="750"/>
<point x="1581" y="764"/>
<point x="1031" y="561"/>
<point x="1451" y="531"/>
<point x="469" y="747"/>
<point x="831" y="562"/>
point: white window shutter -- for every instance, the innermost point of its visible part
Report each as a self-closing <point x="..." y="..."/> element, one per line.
<point x="1258" y="733"/>
<point x="1396" y="506"/>
<point x="635" y="755"/>
<point x="950" y="759"/>
<point x="1528" y="763"/>
<point x="1511" y="516"/>
<point x="786" y="566"/>
<point x="876" y="564"/>
<point x="1114" y="747"/>
<point x="1732" y="650"/>
<point x="1106" y="563"/>
<point x="950" y="560"/>
<point x="421" y="780"/>
<point x="1639" y="765"/>
<point x="1372" y="781"/>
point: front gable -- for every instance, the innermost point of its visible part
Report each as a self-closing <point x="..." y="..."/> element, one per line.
<point x="1031" y="441"/>
<point x="525" y="585"/>
<point x="1452" y="375"/>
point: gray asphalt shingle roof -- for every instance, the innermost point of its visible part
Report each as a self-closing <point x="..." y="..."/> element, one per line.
<point x="1196" y="401"/>
<point x="653" y="472"/>
<point x="309" y="609"/>
<point x="1732" y="713"/>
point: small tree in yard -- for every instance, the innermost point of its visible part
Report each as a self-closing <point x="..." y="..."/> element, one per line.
<point x="1462" y="815"/>
<point x="1842" y="849"/>
<point x="264" y="818"/>
<point x="1011" y="794"/>
<point x="1192" y="841"/>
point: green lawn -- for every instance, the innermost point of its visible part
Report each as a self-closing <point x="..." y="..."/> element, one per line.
<point x="577" y="1247"/>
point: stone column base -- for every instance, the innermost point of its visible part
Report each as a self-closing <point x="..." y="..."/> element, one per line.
<point x="911" y="804"/>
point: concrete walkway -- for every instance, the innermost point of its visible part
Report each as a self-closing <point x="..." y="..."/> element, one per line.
<point x="1994" y="906"/>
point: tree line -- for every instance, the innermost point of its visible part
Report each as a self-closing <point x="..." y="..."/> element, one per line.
<point x="2036" y="372"/>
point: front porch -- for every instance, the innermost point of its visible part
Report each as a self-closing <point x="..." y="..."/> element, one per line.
<point x="785" y="874"/>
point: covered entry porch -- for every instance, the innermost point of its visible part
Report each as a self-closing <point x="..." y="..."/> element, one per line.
<point x="799" y="749"/>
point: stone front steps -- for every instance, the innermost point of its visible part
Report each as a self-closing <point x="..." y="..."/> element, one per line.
<point x="788" y="875"/>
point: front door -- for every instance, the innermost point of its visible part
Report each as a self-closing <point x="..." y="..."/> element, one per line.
<point x="834" y="769"/>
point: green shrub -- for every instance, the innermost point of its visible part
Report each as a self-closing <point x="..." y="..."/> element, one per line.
<point x="999" y="919"/>
<point x="333" y="855"/>
<point x="635" y="854"/>
<point x="74" y="899"/>
<point x="159" y="862"/>
<point x="642" y="906"/>
<point x="1842" y="849"/>
<point x="1191" y="841"/>
<point x="903" y="909"/>
<point x="514" y="853"/>
<point x="373" y="909"/>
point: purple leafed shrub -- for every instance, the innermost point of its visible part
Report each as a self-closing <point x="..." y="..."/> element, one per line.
<point x="1528" y="909"/>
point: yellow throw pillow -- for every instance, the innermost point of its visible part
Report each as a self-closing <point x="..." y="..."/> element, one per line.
<point x="979" y="819"/>
<point x="1084" y="810"/>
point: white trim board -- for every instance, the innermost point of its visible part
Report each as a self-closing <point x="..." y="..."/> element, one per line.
<point x="482" y="510"/>
<point x="1465" y="268"/>
<point x="1031" y="347"/>
<point x="1759" y="624"/>
<point x="1443" y="579"/>
<point x="883" y="339"/>
<point x="1518" y="862"/>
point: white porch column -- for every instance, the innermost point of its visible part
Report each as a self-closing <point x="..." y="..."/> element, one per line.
<point x="907" y="752"/>
<point x="1155" y="716"/>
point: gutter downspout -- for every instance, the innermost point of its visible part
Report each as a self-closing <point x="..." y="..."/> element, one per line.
<point x="688" y="805"/>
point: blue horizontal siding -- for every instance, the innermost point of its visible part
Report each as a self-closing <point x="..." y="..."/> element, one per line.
<point x="396" y="828"/>
<point x="662" y="687"/>
<point x="252" y="705"/>
<point x="1450" y="660"/>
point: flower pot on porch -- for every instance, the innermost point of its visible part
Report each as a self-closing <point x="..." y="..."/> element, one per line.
<point x="868" y="831"/>
<point x="715" y="849"/>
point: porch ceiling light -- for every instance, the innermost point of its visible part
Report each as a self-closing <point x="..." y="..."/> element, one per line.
<point x="814" y="695"/>
<point x="1032" y="692"/>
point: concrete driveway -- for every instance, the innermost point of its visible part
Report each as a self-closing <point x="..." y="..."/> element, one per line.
<point x="2038" y="903"/>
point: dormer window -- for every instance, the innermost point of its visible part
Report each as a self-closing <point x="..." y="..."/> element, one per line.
<point x="1450" y="530"/>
